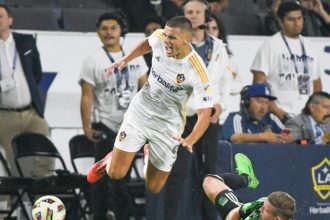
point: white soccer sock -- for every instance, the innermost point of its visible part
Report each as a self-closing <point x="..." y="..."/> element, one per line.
<point x="146" y="159"/>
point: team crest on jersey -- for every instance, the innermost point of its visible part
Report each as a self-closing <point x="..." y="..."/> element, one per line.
<point x="321" y="178"/>
<point x="180" y="78"/>
<point x="122" y="135"/>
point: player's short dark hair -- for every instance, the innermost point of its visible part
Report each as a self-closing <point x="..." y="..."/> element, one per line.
<point x="6" y="9"/>
<point x="180" y="22"/>
<point x="315" y="98"/>
<point x="288" y="6"/>
<point x="284" y="204"/>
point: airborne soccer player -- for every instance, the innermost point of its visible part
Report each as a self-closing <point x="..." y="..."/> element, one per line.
<point x="156" y="113"/>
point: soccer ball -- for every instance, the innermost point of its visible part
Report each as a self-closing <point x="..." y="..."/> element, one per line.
<point x="48" y="207"/>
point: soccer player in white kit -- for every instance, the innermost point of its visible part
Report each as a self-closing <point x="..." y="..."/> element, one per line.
<point x="156" y="113"/>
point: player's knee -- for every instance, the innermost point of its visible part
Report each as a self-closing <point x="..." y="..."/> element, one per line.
<point x="210" y="183"/>
<point x="208" y="180"/>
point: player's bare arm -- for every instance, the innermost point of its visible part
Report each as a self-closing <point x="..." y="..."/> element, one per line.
<point x="200" y="127"/>
<point x="140" y="50"/>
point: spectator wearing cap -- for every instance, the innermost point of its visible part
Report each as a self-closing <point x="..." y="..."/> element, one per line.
<point x="313" y="124"/>
<point x="254" y="123"/>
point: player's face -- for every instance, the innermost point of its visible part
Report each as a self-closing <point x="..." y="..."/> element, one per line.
<point x="5" y="21"/>
<point x="176" y="42"/>
<point x="293" y="23"/>
<point x="109" y="33"/>
<point x="212" y="28"/>
<point x="267" y="212"/>
<point x="321" y="112"/>
<point x="195" y="12"/>
<point x="259" y="107"/>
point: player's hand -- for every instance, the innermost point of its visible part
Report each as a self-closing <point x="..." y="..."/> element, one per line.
<point x="216" y="113"/>
<point x="184" y="142"/>
<point x="90" y="134"/>
<point x="120" y="64"/>
<point x="271" y="137"/>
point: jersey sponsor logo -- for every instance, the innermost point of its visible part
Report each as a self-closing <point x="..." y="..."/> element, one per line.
<point x="167" y="85"/>
<point x="122" y="135"/>
<point x="180" y="78"/>
<point x="321" y="178"/>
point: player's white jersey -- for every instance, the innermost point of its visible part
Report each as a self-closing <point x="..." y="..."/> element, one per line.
<point x="170" y="83"/>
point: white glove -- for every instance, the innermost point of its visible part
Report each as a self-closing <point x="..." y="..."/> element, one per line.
<point x="6" y="84"/>
<point x="125" y="99"/>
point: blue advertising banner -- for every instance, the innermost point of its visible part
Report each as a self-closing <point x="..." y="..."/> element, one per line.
<point x="301" y="170"/>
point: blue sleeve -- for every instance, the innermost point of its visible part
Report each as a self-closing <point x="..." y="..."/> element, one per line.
<point x="277" y="129"/>
<point x="227" y="129"/>
<point x="275" y="122"/>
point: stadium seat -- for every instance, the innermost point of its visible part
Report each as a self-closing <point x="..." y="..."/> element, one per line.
<point x="14" y="187"/>
<point x="243" y="7"/>
<point x="30" y="3"/>
<point x="82" y="149"/>
<point x="81" y="19"/>
<point x="134" y="190"/>
<point x="81" y="3"/>
<point x="224" y="159"/>
<point x="62" y="183"/>
<point x="242" y="24"/>
<point x="36" y="18"/>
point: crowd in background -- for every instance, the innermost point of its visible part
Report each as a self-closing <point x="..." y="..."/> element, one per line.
<point x="249" y="17"/>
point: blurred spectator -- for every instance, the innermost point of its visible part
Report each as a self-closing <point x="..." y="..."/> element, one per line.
<point x="178" y="3"/>
<point x="287" y="62"/>
<point x="254" y="123"/>
<point x="21" y="105"/>
<point x="313" y="124"/>
<point x="271" y="21"/>
<point x="317" y="18"/>
<point x="217" y="6"/>
<point x="166" y="8"/>
<point x="153" y="24"/>
<point x="140" y="11"/>
<point x="137" y="11"/>
<point x="150" y="26"/>
<point x="216" y="28"/>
